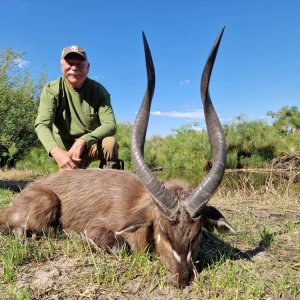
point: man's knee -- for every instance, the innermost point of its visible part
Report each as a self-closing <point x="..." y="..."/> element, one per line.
<point x="110" y="148"/>
<point x="109" y="155"/>
<point x="109" y="143"/>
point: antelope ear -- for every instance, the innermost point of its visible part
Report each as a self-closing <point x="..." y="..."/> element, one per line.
<point x="213" y="219"/>
<point x="135" y="222"/>
<point x="131" y="227"/>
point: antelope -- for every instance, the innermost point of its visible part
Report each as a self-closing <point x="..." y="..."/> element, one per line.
<point x="108" y="208"/>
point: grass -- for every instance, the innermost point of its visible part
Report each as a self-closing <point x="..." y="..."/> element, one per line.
<point x="261" y="262"/>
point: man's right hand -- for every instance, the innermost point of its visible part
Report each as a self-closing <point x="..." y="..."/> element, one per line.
<point x="63" y="158"/>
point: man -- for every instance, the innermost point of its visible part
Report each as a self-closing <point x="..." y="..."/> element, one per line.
<point x="75" y="120"/>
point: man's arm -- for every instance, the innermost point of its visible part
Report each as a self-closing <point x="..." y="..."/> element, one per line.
<point x="45" y="118"/>
<point x="43" y="127"/>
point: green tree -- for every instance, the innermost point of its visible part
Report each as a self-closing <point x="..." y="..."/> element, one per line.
<point x="18" y="106"/>
<point x="250" y="144"/>
<point x="124" y="139"/>
<point x="286" y="120"/>
<point x="183" y="154"/>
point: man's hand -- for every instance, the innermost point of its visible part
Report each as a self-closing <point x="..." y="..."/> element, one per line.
<point x="76" y="150"/>
<point x="63" y="158"/>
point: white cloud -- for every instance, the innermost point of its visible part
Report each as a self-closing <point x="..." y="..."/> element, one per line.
<point x="21" y="63"/>
<point x="184" y="82"/>
<point x="97" y="77"/>
<point x="196" y="114"/>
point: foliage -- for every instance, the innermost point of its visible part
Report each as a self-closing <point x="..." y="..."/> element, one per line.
<point x="289" y="144"/>
<point x="153" y="147"/>
<point x="182" y="154"/>
<point x="18" y="105"/>
<point x="286" y="120"/>
<point x="186" y="152"/>
<point x="250" y="144"/>
<point x="37" y="159"/>
<point x="123" y="137"/>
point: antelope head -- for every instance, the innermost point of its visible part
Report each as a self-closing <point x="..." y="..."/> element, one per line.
<point x="182" y="211"/>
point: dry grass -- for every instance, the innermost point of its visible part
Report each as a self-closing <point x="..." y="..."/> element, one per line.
<point x="14" y="174"/>
<point x="16" y="179"/>
<point x="261" y="262"/>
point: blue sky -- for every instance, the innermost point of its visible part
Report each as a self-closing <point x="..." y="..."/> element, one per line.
<point x="257" y="69"/>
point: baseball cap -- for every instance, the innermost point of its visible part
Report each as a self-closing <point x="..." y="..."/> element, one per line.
<point x="74" y="49"/>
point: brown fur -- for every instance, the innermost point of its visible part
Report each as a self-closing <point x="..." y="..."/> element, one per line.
<point x="77" y="200"/>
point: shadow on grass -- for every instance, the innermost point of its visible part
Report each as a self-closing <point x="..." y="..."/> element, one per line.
<point x="13" y="185"/>
<point x="214" y="251"/>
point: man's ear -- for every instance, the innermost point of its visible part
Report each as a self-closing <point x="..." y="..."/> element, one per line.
<point x="213" y="219"/>
<point x="61" y="67"/>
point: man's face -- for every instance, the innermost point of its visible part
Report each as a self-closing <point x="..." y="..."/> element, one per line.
<point x="75" y="69"/>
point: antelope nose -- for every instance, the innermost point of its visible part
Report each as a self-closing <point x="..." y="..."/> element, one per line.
<point x="182" y="279"/>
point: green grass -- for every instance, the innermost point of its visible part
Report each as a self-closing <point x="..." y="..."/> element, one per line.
<point x="261" y="262"/>
<point x="37" y="159"/>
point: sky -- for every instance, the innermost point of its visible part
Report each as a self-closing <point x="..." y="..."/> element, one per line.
<point x="257" y="68"/>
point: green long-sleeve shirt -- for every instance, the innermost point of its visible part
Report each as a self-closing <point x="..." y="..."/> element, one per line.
<point x="66" y="114"/>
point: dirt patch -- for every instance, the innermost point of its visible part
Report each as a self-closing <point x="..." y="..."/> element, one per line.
<point x="40" y="279"/>
<point x="287" y="166"/>
<point x="62" y="278"/>
<point x="288" y="161"/>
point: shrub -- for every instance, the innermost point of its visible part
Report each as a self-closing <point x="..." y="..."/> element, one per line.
<point x="37" y="159"/>
<point x="18" y="107"/>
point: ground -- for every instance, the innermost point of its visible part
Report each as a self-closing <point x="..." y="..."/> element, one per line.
<point x="262" y="261"/>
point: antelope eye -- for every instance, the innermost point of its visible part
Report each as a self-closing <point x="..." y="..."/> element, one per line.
<point x="163" y="234"/>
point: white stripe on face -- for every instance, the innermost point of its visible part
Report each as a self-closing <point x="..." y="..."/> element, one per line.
<point x="189" y="256"/>
<point x="176" y="255"/>
<point x="158" y="238"/>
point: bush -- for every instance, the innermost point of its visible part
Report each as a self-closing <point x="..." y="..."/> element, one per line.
<point x="37" y="159"/>
<point x="18" y="108"/>
<point x="252" y="143"/>
<point x="184" y="154"/>
<point x="124" y="139"/>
